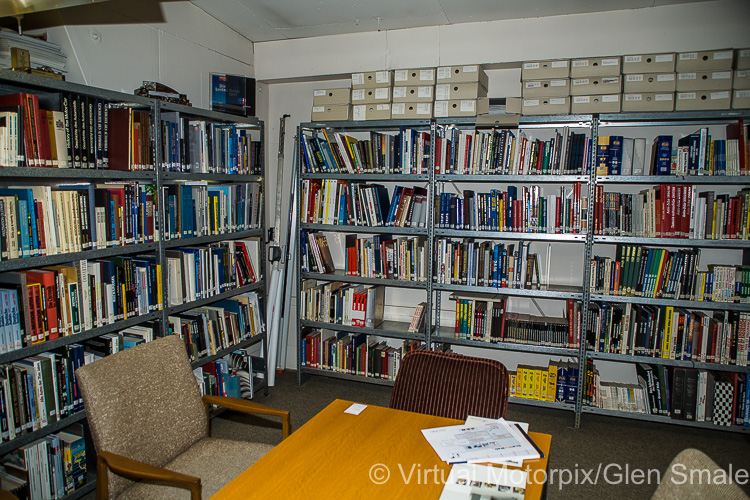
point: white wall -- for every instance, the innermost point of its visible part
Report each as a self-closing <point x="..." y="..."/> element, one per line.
<point x="294" y="68"/>
<point x="179" y="52"/>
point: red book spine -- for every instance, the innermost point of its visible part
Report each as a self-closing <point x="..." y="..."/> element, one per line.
<point x="571" y="321"/>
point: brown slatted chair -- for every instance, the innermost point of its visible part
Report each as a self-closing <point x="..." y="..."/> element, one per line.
<point x="451" y="385"/>
<point x="150" y="426"/>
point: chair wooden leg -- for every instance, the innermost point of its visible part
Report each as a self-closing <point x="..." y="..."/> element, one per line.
<point x="102" y="480"/>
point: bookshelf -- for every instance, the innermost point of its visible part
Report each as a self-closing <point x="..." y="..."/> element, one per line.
<point x="584" y="244"/>
<point x="237" y="216"/>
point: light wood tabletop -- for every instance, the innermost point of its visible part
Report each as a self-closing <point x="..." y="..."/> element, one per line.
<point x="380" y="454"/>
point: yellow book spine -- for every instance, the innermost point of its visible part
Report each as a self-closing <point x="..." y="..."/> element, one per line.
<point x="666" y="344"/>
<point x="544" y="385"/>
<point x="159" y="290"/>
<point x="520" y="385"/>
<point x="552" y="382"/>
<point x="512" y="383"/>
<point x="537" y="383"/>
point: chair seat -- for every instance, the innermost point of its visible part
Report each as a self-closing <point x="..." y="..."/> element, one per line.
<point x="215" y="461"/>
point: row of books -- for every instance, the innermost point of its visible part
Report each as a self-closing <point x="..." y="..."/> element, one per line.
<point x="488" y="264"/>
<point x="197" y="146"/>
<point x="342" y="304"/>
<point x="524" y="210"/>
<point x="672" y="211"/>
<point x="200" y="208"/>
<point x="49" y="220"/>
<point x="669" y="333"/>
<point x="406" y="152"/>
<point x="500" y="152"/>
<point x="62" y="130"/>
<point x="51" y="467"/>
<point x="210" y="329"/>
<point x="353" y="354"/>
<point x="57" y="301"/>
<point x="382" y="256"/>
<point x="659" y="273"/>
<point x="557" y="382"/>
<point x="721" y="398"/>
<point x="197" y="273"/>
<point x="339" y="202"/>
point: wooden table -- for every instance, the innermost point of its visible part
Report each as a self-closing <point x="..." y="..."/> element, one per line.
<point x="336" y="455"/>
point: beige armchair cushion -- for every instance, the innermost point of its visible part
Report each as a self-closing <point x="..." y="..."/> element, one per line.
<point x="676" y="483"/>
<point x="217" y="455"/>
<point x="144" y="403"/>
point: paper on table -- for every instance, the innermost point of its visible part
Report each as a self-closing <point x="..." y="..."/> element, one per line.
<point x="480" y="442"/>
<point x="470" y="481"/>
<point x="471" y="419"/>
<point x="355" y="409"/>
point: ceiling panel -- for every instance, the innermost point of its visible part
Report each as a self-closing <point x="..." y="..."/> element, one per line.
<point x="240" y="18"/>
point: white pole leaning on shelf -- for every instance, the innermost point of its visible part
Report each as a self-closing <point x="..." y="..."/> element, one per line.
<point x="273" y="310"/>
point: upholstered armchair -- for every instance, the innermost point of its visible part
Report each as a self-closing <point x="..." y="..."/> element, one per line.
<point x="451" y="385"/>
<point x="150" y="426"/>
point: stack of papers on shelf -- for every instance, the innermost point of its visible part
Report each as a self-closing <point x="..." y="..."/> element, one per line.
<point x="41" y="53"/>
<point x="482" y="440"/>
<point x="481" y="482"/>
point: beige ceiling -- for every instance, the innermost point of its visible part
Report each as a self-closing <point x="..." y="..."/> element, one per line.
<point x="266" y="20"/>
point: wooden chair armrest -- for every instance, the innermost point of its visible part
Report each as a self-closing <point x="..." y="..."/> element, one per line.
<point x="133" y="469"/>
<point x="246" y="406"/>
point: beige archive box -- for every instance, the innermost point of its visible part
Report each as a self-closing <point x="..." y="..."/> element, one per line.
<point x="743" y="59"/>
<point x="649" y="82"/>
<point x="411" y="110"/>
<point x="709" y="60"/>
<point x="324" y="97"/>
<point x="545" y="70"/>
<point x="371" y="80"/>
<point x="584" y="104"/>
<point x="462" y="74"/>
<point x="704" y="80"/>
<point x="741" y="79"/>
<point x="463" y="90"/>
<point x="595" y="66"/>
<point x="371" y="112"/>
<point x="331" y="112"/>
<point x="371" y="96"/>
<point x="595" y="85"/>
<point x="648" y="102"/>
<point x="741" y="99"/>
<point x="699" y="101"/>
<point x="559" y="87"/>
<point x="422" y="93"/>
<point x="413" y="77"/>
<point x="648" y="63"/>
<point x="546" y="106"/>
<point x="461" y="107"/>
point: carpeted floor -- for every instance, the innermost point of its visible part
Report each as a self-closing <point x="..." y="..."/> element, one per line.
<point x="623" y="448"/>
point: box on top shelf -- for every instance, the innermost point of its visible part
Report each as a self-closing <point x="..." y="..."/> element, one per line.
<point x="546" y="106"/>
<point x="741" y="99"/>
<point x="371" y="112"/>
<point x="331" y="112"/>
<point x="595" y="85"/>
<point x="742" y="60"/>
<point x="324" y="97"/>
<point x="584" y="104"/>
<point x="648" y="63"/>
<point x="461" y="107"/>
<point x="412" y="77"/>
<point x="595" y="66"/>
<point x="559" y="87"/>
<point x="741" y="79"/>
<point x="543" y="70"/>
<point x="704" y="80"/>
<point x="709" y="60"/>
<point x="649" y="82"/>
<point x="462" y="74"/>
<point x="371" y="79"/>
<point x="648" y="102"/>
<point x="699" y="101"/>
<point x="371" y="95"/>
<point x="421" y="93"/>
<point x="411" y="110"/>
<point x="459" y="90"/>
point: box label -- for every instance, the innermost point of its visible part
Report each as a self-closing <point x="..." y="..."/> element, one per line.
<point x="358" y="78"/>
<point x="427" y="74"/>
<point x="634" y="78"/>
<point x="443" y="73"/>
<point x="611" y="80"/>
<point x="742" y="94"/>
<point x="719" y="95"/>
<point x="399" y="92"/>
<point x="471" y="69"/>
<point x="663" y="97"/>
<point x="424" y="108"/>
<point x="580" y="81"/>
<point x="529" y="102"/>
<point x="686" y="95"/>
<point x="383" y="107"/>
<point x="557" y="101"/>
<point x="400" y="75"/>
<point x="359" y="113"/>
<point x="467" y="106"/>
<point x="610" y="62"/>
<point x="382" y="93"/>
<point x="534" y="65"/>
<point x="358" y="95"/>
<point x="687" y="76"/>
<point x="727" y="54"/>
<point x="664" y="58"/>
<point x="319" y="93"/>
<point x="611" y="98"/>
<point x="632" y="59"/>
<point x="533" y="85"/>
<point x="582" y="63"/>
<point x="319" y="109"/>
<point x="633" y="97"/>
<point x="398" y="108"/>
<point x="745" y="53"/>
<point x="744" y="73"/>
<point x="382" y="77"/>
<point x="441" y="108"/>
<point x="689" y="56"/>
<point x="442" y="92"/>
<point x="721" y="75"/>
<point x="581" y="99"/>
<point x="665" y="77"/>
<point x="558" y="83"/>
<point x="424" y="92"/>
<point x="559" y="64"/>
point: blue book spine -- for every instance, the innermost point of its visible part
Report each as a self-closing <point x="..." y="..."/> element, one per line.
<point x="614" y="165"/>
<point x="23" y="227"/>
<point x="663" y="155"/>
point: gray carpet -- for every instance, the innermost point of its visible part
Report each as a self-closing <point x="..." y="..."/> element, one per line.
<point x="627" y="445"/>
